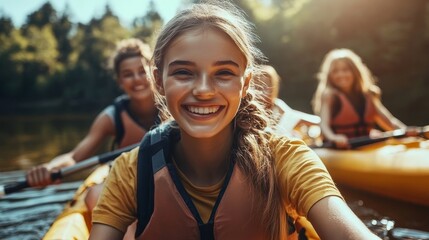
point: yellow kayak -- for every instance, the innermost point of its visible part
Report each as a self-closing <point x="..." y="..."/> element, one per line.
<point x="396" y="168"/>
<point x="75" y="221"/>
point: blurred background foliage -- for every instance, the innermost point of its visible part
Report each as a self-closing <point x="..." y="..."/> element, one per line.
<point x="53" y="63"/>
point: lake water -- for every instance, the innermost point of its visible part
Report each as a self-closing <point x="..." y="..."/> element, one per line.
<point x="26" y="141"/>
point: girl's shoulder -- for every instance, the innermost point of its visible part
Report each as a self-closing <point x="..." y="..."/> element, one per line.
<point x="285" y="144"/>
<point x="292" y="153"/>
<point x="330" y="93"/>
<point x="127" y="161"/>
<point x="109" y="111"/>
<point x="374" y="91"/>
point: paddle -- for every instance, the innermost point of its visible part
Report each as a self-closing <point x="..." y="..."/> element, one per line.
<point x="406" y="233"/>
<point x="366" y="140"/>
<point x="102" y="158"/>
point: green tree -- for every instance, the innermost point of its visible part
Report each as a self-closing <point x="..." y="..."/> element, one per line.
<point x="89" y="80"/>
<point x="41" y="17"/>
<point x="10" y="41"/>
<point x="36" y="59"/>
<point x="6" y="25"/>
<point x="146" y="27"/>
<point x="62" y="29"/>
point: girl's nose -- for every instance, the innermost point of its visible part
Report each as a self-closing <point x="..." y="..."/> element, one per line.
<point x="139" y="76"/>
<point x="203" y="87"/>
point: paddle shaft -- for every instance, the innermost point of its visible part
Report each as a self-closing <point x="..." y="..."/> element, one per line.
<point x="99" y="159"/>
<point x="366" y="140"/>
<point x="361" y="141"/>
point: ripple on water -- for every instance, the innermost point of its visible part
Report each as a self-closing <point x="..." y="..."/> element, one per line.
<point x="30" y="213"/>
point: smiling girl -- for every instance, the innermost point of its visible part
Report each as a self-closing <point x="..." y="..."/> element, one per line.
<point x="126" y="121"/>
<point x="348" y="101"/>
<point x="211" y="171"/>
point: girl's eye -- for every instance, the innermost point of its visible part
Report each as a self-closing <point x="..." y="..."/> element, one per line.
<point x="181" y="73"/>
<point x="225" y="74"/>
<point x="127" y="75"/>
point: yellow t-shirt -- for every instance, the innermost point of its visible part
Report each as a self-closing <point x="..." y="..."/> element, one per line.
<point x="204" y="198"/>
<point x="303" y="180"/>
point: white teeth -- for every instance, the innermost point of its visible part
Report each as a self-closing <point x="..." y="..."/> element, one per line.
<point x="203" y="110"/>
<point x="138" y="88"/>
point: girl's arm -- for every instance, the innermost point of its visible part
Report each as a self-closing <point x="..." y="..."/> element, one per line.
<point x="333" y="219"/>
<point x="340" y="140"/>
<point x="101" y="128"/>
<point x="384" y="118"/>
<point x="102" y="231"/>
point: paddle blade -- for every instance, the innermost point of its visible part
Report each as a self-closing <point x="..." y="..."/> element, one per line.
<point x="425" y="132"/>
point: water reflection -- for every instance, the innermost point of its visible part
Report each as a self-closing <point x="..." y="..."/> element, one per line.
<point x="370" y="206"/>
<point x="388" y="218"/>
<point x="30" y="140"/>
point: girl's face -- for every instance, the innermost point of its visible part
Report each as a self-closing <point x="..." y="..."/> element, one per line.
<point x="203" y="80"/>
<point x="133" y="78"/>
<point x="341" y="76"/>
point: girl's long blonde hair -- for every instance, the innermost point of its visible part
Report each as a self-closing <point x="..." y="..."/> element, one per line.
<point x="252" y="152"/>
<point x="364" y="82"/>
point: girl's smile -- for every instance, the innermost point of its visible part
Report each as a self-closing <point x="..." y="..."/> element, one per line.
<point x="202" y="111"/>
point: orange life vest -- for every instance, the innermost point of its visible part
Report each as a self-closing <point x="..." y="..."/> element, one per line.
<point x="349" y="122"/>
<point x="128" y="130"/>
<point x="166" y="211"/>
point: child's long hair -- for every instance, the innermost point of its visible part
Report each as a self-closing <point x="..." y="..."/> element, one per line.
<point x="268" y="82"/>
<point x="364" y="81"/>
<point x="252" y="154"/>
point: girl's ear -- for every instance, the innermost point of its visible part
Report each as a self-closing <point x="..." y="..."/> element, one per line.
<point x="246" y="84"/>
<point x="158" y="81"/>
<point x="119" y="82"/>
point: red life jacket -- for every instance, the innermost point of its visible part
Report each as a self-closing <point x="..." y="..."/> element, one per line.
<point x="349" y="122"/>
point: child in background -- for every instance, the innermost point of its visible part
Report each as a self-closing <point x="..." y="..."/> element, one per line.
<point x="348" y="101"/>
<point x="288" y="122"/>
<point x="219" y="174"/>
<point x="126" y="121"/>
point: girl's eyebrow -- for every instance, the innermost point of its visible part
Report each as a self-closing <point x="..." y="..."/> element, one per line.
<point x="181" y="62"/>
<point x="189" y="63"/>
<point x="226" y="62"/>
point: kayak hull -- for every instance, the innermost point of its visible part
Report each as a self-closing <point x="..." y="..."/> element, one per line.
<point x="75" y="221"/>
<point x="398" y="168"/>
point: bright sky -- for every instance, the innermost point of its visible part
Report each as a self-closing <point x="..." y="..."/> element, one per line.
<point x="84" y="10"/>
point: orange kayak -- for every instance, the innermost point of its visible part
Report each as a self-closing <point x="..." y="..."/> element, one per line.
<point x="396" y="168"/>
